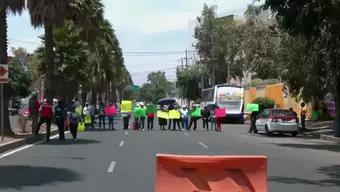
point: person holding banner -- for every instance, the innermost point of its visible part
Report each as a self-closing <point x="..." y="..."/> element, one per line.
<point x="110" y="111"/>
<point x="161" y="118"/>
<point x="142" y="117"/>
<point x="87" y="116"/>
<point x="171" y="107"/>
<point x="126" y="109"/>
<point x="150" y="110"/>
<point x="195" y="115"/>
<point x="175" y="116"/>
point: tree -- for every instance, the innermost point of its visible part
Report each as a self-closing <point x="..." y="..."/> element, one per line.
<point x="48" y="14"/>
<point x="15" y="7"/>
<point x="187" y="82"/>
<point x="19" y="74"/>
<point x="318" y="23"/>
<point x="157" y="88"/>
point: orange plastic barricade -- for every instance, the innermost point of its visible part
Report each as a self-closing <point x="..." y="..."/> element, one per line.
<point x="211" y="173"/>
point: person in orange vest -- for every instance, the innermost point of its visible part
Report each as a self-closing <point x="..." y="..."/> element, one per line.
<point x="46" y="115"/>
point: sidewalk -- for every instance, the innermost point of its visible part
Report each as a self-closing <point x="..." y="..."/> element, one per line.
<point x="23" y="136"/>
<point x="321" y="129"/>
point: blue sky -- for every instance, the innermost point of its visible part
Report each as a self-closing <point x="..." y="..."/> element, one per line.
<point x="141" y="25"/>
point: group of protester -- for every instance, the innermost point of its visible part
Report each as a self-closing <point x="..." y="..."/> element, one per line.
<point x="186" y="120"/>
<point x="72" y="116"/>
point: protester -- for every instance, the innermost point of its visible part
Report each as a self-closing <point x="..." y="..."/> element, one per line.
<point x="176" y="121"/>
<point x="253" y="118"/>
<point x="205" y="118"/>
<point x="151" y="116"/>
<point x="185" y="117"/>
<point x="142" y="118"/>
<point x="303" y="117"/>
<point x="110" y="111"/>
<point x="60" y="117"/>
<point x="87" y="115"/>
<point x="126" y="119"/>
<point x="74" y="118"/>
<point x="193" y="119"/>
<point x="92" y="109"/>
<point x="101" y="115"/>
<point x="162" y="121"/>
<point x="171" y="107"/>
<point x="46" y="115"/>
<point x="33" y="109"/>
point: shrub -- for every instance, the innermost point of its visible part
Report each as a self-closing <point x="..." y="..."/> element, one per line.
<point x="264" y="103"/>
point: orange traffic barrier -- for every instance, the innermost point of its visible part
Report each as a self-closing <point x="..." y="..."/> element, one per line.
<point x="176" y="173"/>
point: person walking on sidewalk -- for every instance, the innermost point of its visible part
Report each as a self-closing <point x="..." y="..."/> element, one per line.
<point x="303" y="114"/>
<point x="205" y="118"/>
<point x="60" y="117"/>
<point x="46" y="115"/>
<point x="33" y="109"/>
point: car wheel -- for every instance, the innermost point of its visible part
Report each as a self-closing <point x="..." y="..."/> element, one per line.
<point x="294" y="134"/>
<point x="268" y="133"/>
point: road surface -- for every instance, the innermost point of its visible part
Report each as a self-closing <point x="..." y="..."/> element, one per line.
<point x="125" y="160"/>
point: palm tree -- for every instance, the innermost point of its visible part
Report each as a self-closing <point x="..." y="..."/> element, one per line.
<point x="49" y="14"/>
<point x="16" y="7"/>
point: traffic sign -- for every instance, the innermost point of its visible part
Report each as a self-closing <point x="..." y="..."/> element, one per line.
<point x="4" y="73"/>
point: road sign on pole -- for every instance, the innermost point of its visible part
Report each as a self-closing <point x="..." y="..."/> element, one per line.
<point x="3" y="73"/>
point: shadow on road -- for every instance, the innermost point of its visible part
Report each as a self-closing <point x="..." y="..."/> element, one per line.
<point x="333" y="173"/>
<point x="18" y="177"/>
<point x="321" y="146"/>
<point x="70" y="142"/>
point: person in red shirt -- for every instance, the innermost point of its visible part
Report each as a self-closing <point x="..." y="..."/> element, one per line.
<point x="151" y="117"/>
<point x="33" y="109"/>
<point x="46" y="115"/>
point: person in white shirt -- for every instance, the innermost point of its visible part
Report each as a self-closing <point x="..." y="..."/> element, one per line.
<point x="185" y="117"/>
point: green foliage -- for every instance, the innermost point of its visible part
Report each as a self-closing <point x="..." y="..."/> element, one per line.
<point x="158" y="87"/>
<point x="264" y="103"/>
<point x="19" y="74"/>
<point x="187" y="82"/>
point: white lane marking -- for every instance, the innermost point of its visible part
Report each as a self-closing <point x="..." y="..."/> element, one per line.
<point x="26" y="146"/>
<point x="185" y="133"/>
<point x="126" y="133"/>
<point x="121" y="144"/>
<point x="203" y="145"/>
<point x="111" y="167"/>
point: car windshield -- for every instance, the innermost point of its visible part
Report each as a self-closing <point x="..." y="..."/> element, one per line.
<point x="283" y="113"/>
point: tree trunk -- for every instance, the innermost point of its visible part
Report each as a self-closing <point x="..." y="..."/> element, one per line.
<point x="3" y="60"/>
<point x="337" y="104"/>
<point x="114" y="91"/>
<point x="49" y="54"/>
<point x="94" y="97"/>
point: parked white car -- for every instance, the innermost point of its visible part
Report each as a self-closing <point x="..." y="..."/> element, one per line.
<point x="278" y="121"/>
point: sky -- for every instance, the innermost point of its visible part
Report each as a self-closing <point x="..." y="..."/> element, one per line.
<point x="141" y="26"/>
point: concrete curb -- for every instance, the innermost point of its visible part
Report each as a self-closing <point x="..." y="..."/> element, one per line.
<point x="330" y="138"/>
<point x="20" y="142"/>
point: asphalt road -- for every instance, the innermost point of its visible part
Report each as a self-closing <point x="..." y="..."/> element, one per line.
<point x="125" y="161"/>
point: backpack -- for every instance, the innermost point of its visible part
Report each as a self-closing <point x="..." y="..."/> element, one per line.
<point x="46" y="111"/>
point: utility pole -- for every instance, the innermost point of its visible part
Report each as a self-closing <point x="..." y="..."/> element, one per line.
<point x="186" y="59"/>
<point x="182" y="63"/>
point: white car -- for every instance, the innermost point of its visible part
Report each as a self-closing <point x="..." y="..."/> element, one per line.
<point x="278" y="121"/>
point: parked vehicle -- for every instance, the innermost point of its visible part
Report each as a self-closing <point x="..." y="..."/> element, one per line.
<point x="278" y="121"/>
